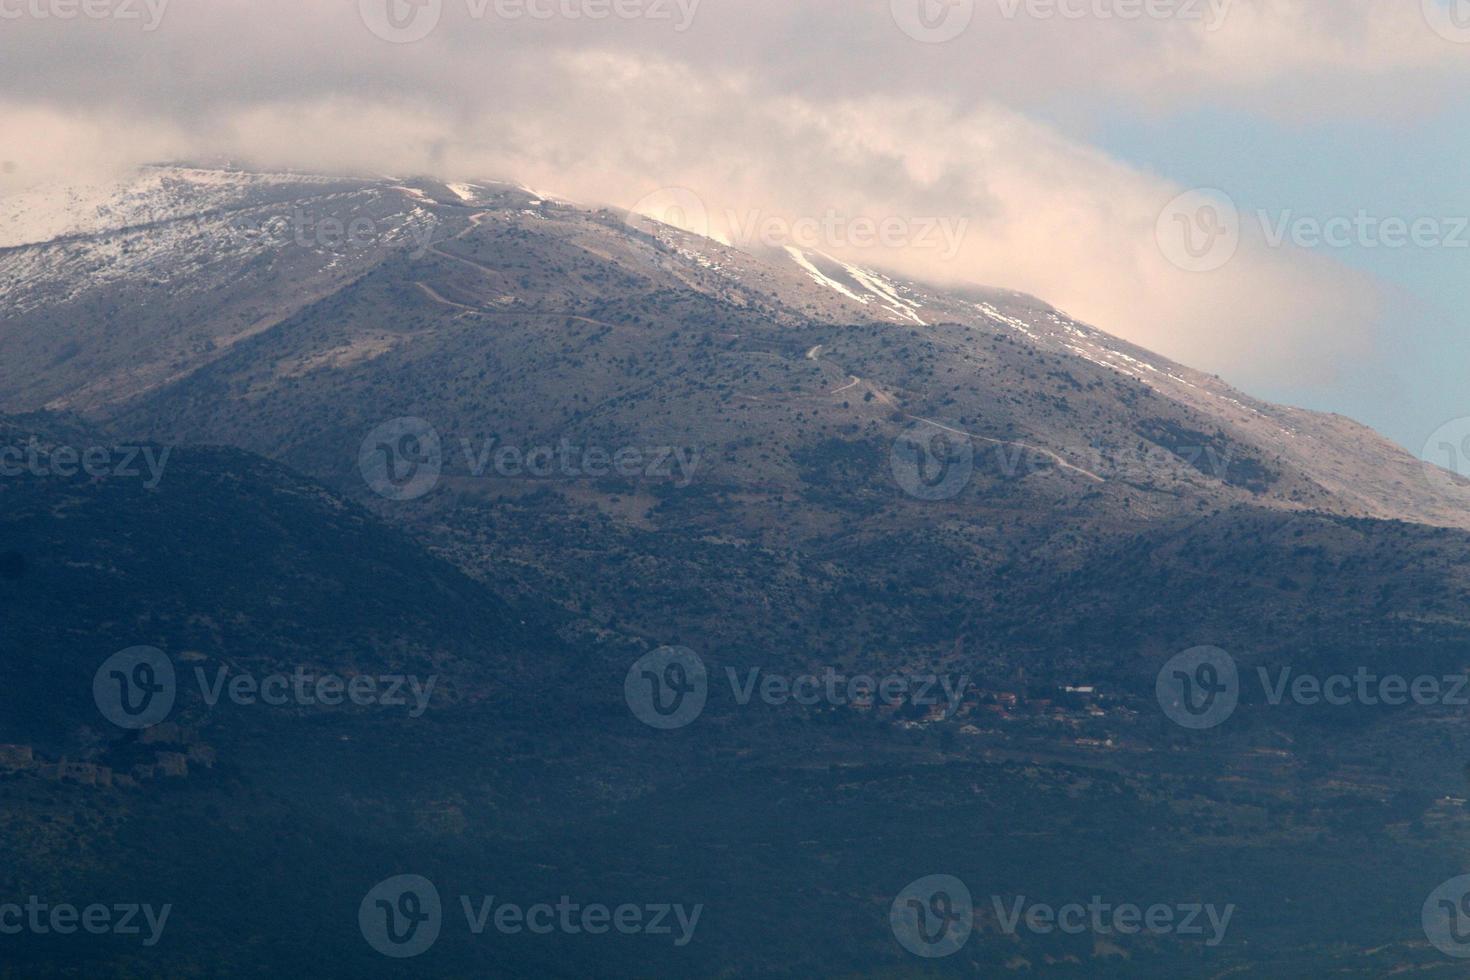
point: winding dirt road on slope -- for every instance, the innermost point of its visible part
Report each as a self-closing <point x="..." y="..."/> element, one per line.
<point x="887" y="399"/>
<point x="434" y="295"/>
<point x="1003" y="442"/>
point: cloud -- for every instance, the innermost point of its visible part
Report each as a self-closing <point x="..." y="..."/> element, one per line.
<point x="1346" y="57"/>
<point x="798" y="134"/>
<point x="1039" y="212"/>
<point x="1064" y="60"/>
<point x="43" y="144"/>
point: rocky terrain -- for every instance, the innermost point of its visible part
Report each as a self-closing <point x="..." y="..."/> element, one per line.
<point x="394" y="425"/>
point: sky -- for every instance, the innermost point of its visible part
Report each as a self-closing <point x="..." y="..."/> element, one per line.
<point x="1269" y="190"/>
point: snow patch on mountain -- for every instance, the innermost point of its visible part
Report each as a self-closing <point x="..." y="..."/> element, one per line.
<point x="190" y="230"/>
<point x="154" y="194"/>
<point x="862" y="286"/>
<point x="887" y="293"/>
<point x="1010" y="321"/>
<point x="819" y="277"/>
<point x="414" y="193"/>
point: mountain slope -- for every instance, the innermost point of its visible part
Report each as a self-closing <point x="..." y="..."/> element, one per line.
<point x="225" y="559"/>
<point x="876" y="476"/>
<point x="522" y="304"/>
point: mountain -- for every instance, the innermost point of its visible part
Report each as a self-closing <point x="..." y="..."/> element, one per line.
<point x="823" y="442"/>
<point x="221" y="557"/>
<point x="252" y="586"/>
<point x="228" y="294"/>
<point x="519" y="443"/>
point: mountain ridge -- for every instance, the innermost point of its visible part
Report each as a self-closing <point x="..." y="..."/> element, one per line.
<point x="472" y="252"/>
<point x="978" y="489"/>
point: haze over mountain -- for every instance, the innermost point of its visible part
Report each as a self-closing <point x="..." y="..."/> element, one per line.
<point x="193" y="301"/>
<point x="781" y="461"/>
